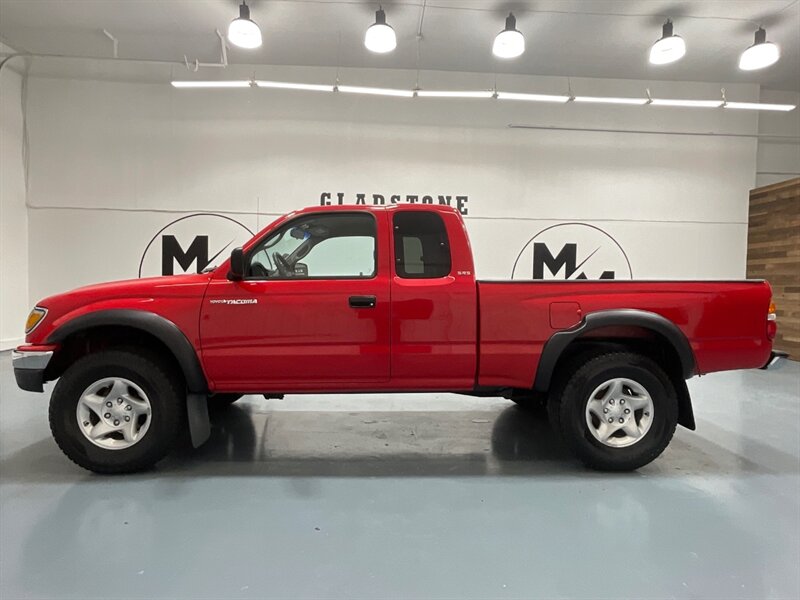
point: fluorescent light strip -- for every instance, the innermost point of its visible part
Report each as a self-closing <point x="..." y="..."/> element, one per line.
<point x="284" y="85"/>
<point x="210" y="84"/>
<point x="351" y="89"/>
<point x="759" y="106"/>
<point x="531" y="97"/>
<point x="446" y="94"/>
<point x="604" y="100"/>
<point x="688" y="103"/>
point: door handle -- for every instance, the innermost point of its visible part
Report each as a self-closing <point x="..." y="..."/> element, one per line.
<point x="362" y="301"/>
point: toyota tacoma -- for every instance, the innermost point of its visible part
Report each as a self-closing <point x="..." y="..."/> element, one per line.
<point x="341" y="299"/>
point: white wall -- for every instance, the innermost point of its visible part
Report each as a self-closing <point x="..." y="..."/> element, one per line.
<point x="13" y="214"/>
<point x="778" y="157"/>
<point x="113" y="162"/>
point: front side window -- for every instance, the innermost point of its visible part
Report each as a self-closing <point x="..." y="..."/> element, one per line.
<point x="328" y="246"/>
<point x="421" y="250"/>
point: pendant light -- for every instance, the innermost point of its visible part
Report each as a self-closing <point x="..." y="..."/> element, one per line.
<point x="244" y="32"/>
<point x="761" y="54"/>
<point x="509" y="43"/>
<point x="668" y="48"/>
<point x="380" y="37"/>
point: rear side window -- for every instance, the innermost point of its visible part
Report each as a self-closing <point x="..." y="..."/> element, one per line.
<point x="421" y="250"/>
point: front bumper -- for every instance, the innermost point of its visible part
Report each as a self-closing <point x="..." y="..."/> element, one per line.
<point x="776" y="357"/>
<point x="29" y="364"/>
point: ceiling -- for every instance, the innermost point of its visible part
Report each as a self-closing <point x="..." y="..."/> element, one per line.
<point x="601" y="38"/>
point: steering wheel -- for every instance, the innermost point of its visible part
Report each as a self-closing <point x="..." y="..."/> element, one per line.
<point x="284" y="269"/>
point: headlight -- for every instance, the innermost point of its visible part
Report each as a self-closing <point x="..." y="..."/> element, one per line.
<point x="37" y="316"/>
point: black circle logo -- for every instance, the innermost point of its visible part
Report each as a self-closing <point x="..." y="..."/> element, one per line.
<point x="572" y="251"/>
<point x="192" y="243"/>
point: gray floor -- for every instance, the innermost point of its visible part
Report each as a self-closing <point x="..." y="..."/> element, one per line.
<point x="415" y="496"/>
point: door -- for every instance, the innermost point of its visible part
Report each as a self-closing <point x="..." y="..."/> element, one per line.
<point x="312" y="312"/>
<point x="434" y="320"/>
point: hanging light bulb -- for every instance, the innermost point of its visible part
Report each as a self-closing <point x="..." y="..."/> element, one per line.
<point x="761" y="54"/>
<point x="509" y="43"/>
<point x="243" y="32"/>
<point x="669" y="48"/>
<point x="380" y="37"/>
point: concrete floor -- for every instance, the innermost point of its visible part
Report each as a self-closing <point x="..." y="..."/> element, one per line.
<point x="413" y="496"/>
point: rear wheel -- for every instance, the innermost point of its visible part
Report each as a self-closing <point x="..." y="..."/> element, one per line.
<point x="116" y="411"/>
<point x="616" y="412"/>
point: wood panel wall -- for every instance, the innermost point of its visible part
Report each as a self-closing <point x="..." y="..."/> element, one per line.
<point x="773" y="253"/>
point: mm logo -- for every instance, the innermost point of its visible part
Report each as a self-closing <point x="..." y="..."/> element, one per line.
<point x="192" y="243"/>
<point x="571" y="251"/>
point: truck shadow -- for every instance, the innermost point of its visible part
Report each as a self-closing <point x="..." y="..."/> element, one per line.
<point x="507" y="441"/>
<point x="245" y="440"/>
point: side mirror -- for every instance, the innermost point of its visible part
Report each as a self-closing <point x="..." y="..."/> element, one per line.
<point x="237" y="265"/>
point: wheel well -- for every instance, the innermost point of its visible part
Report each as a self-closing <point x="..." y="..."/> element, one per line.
<point x="631" y="338"/>
<point x="107" y="337"/>
<point x="628" y="338"/>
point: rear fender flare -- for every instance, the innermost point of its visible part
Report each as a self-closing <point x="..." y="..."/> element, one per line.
<point x="559" y="341"/>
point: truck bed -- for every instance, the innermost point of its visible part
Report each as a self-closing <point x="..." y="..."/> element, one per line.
<point x="724" y="321"/>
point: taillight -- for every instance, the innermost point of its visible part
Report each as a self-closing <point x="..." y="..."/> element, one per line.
<point x="772" y="322"/>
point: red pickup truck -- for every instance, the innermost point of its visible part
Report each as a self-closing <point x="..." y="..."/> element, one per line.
<point x="381" y="299"/>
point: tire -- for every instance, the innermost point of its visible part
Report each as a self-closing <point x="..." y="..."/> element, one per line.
<point x="222" y="401"/>
<point x="653" y="427"/>
<point x="164" y="419"/>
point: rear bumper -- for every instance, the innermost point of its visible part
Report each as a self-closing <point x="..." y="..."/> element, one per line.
<point x="776" y="357"/>
<point x="29" y="364"/>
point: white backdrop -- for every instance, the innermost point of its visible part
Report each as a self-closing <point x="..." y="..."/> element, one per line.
<point x="779" y="148"/>
<point x="111" y="163"/>
<point x="13" y="214"/>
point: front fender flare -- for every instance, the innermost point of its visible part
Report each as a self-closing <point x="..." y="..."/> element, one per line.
<point x="163" y="329"/>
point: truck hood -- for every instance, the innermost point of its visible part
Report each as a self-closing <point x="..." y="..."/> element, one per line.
<point x="147" y="287"/>
<point x="138" y="294"/>
<point x="127" y="288"/>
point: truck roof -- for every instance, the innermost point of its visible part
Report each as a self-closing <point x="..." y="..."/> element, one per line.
<point x="440" y="208"/>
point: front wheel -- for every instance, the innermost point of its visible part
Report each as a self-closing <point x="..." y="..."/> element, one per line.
<point x="116" y="412"/>
<point x="617" y="412"/>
